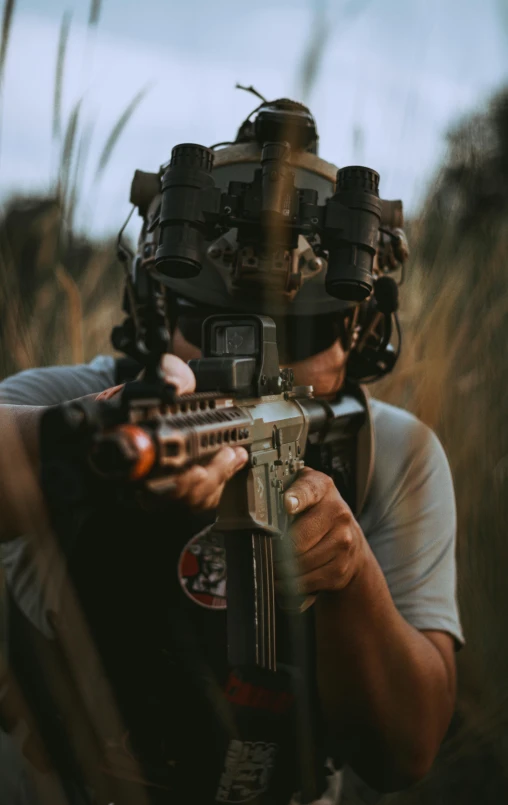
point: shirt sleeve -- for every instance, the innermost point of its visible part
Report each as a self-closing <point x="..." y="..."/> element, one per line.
<point x="57" y="384"/>
<point x="410" y="521"/>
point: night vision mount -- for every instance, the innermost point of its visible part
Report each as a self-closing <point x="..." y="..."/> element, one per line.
<point x="269" y="214"/>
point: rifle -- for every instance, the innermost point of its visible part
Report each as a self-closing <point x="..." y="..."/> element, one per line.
<point x="243" y="399"/>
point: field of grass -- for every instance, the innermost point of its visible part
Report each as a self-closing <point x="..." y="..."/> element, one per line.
<point x="452" y="375"/>
<point x="60" y="295"/>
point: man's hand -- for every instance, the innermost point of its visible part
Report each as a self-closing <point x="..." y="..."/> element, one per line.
<point x="329" y="545"/>
<point x="386" y="689"/>
<point x="201" y="486"/>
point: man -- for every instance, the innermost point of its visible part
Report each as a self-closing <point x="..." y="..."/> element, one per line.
<point x="385" y="615"/>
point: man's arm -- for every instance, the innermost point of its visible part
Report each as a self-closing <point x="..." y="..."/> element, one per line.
<point x="19" y="467"/>
<point x="387" y="689"/>
<point x="23" y="398"/>
<point x="384" y="613"/>
<point x="199" y="487"/>
<point x="21" y="422"/>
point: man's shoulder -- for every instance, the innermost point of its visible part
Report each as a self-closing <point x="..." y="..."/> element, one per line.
<point x="399" y="432"/>
<point x="410" y="520"/>
<point x="409" y="460"/>
<point x="386" y="414"/>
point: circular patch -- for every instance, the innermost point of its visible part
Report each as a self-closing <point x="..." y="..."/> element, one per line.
<point x="202" y="570"/>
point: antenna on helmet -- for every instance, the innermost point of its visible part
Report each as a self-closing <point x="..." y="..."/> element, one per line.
<point x="253" y="90"/>
<point x="263" y="100"/>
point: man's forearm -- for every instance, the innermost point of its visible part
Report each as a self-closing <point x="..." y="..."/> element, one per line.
<point x="21" y="423"/>
<point x="385" y="688"/>
<point x="19" y="465"/>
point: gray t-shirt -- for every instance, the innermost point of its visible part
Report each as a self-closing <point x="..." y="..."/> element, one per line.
<point x="408" y="518"/>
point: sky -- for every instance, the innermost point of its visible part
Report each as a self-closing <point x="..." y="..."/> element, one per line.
<point x="394" y="76"/>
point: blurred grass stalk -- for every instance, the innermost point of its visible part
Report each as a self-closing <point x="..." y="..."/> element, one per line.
<point x="452" y="374"/>
<point x="5" y="34"/>
<point x="7" y="17"/>
<point x="47" y="296"/>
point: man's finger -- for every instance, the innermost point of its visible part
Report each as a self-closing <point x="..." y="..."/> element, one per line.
<point x="200" y="482"/>
<point x="309" y="488"/>
<point x="178" y="374"/>
<point x="313" y="581"/>
<point x="320" y="554"/>
<point x="211" y="502"/>
<point x="221" y="469"/>
<point x="187" y="480"/>
<point x="311" y="525"/>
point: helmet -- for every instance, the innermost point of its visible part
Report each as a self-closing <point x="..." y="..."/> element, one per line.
<point x="287" y="285"/>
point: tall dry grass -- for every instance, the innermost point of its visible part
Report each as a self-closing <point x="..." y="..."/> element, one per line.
<point x="58" y="300"/>
<point x="452" y="374"/>
<point x="58" y="290"/>
<point x="60" y="295"/>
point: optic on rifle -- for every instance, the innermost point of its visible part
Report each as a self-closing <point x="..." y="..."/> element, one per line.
<point x="239" y="356"/>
